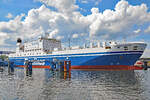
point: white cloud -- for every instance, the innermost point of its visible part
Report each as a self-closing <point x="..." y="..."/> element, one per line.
<point x="110" y="24"/>
<point x="59" y="37"/>
<point x="65" y="6"/>
<point x="95" y="10"/>
<point x="83" y="34"/>
<point x="137" y="31"/>
<point x="97" y="2"/>
<point x="84" y="1"/>
<point x="42" y="20"/>
<point x="53" y="33"/>
<point x="3" y="37"/>
<point x="9" y="15"/>
<point x="147" y="30"/>
<point x="12" y="27"/>
<point x="75" y="36"/>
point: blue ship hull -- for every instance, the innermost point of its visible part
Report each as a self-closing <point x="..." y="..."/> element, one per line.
<point x="86" y="60"/>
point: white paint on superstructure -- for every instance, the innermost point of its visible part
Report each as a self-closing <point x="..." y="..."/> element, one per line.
<point x="46" y="46"/>
<point x="80" y="51"/>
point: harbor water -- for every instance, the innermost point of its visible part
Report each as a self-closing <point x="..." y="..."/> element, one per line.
<point x="44" y="84"/>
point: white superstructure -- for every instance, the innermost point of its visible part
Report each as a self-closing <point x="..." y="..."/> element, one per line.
<point x="37" y="47"/>
<point x="48" y="46"/>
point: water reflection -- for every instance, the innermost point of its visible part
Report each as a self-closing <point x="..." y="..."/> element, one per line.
<point x="81" y="85"/>
<point x="85" y="85"/>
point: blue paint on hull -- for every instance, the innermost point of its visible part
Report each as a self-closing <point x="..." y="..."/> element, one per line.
<point x="90" y="59"/>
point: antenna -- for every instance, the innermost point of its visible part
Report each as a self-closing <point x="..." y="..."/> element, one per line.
<point x="69" y="42"/>
<point x="124" y="39"/>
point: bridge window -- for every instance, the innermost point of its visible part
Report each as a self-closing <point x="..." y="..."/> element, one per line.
<point x="107" y="47"/>
<point x="125" y="48"/>
<point x="135" y="47"/>
<point x="118" y="47"/>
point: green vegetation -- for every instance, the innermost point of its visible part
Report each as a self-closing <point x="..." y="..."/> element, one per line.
<point x="3" y="57"/>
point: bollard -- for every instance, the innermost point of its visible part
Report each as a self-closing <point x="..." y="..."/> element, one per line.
<point x="30" y="68"/>
<point x="145" y="65"/>
<point x="67" y="69"/>
<point x="67" y="66"/>
<point x="61" y="66"/>
<point x="10" y="67"/>
<point x="1" y="69"/>
<point x="57" y="66"/>
<point x="53" y="66"/>
<point x="67" y="75"/>
<point x="28" y="65"/>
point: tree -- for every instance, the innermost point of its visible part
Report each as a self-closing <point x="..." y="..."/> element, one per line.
<point x="3" y="57"/>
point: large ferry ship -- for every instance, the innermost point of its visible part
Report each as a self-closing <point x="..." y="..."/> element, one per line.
<point x="105" y="55"/>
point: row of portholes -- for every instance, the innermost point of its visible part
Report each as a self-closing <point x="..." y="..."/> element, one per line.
<point x="29" y="54"/>
<point x="33" y="54"/>
<point x="33" y="50"/>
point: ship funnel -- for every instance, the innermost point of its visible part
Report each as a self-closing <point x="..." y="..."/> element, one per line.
<point x="19" y="40"/>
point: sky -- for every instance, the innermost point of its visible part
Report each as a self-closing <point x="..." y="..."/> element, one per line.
<point x="79" y="20"/>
